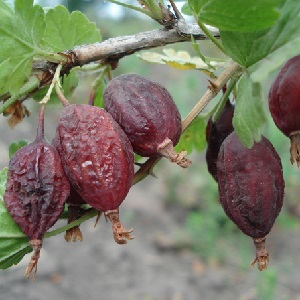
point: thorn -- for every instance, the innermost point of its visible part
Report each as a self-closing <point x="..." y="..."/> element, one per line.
<point x="213" y="87"/>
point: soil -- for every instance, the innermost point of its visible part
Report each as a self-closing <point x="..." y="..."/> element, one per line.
<point x="149" y="267"/>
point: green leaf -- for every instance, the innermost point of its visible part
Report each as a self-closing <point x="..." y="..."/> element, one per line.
<point x="3" y="176"/>
<point x="249" y="48"/>
<point x="14" y="147"/>
<point x="98" y="98"/>
<point x="249" y="116"/>
<point x="237" y="15"/>
<point x="69" y="83"/>
<point x="193" y="138"/>
<point x="65" y="30"/>
<point x="21" y="31"/>
<point x="13" y="243"/>
<point x="186" y="9"/>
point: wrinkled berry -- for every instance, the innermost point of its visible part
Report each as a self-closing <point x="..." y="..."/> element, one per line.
<point x="284" y="104"/>
<point x="36" y="190"/>
<point x="251" y="189"/>
<point x="147" y="113"/>
<point x="98" y="160"/>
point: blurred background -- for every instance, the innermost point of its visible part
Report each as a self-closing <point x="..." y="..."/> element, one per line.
<point x="185" y="247"/>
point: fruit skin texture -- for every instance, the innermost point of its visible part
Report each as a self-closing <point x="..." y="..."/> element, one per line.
<point x="146" y="112"/>
<point x="97" y="157"/>
<point x="251" y="185"/>
<point x="284" y="104"/>
<point x="216" y="132"/>
<point x="36" y="190"/>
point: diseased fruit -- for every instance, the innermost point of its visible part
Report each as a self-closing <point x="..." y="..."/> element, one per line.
<point x="98" y="160"/>
<point x="216" y="132"/>
<point x="36" y="190"/>
<point x="251" y="189"/>
<point x="147" y="113"/>
<point x="284" y="104"/>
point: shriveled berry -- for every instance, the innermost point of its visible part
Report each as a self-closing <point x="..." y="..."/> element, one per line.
<point x="284" y="104"/>
<point x="98" y="160"/>
<point x="147" y="113"/>
<point x="251" y="189"/>
<point x="36" y="190"/>
<point x="216" y="132"/>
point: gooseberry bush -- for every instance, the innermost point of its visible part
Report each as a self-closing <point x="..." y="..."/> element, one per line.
<point x="41" y="53"/>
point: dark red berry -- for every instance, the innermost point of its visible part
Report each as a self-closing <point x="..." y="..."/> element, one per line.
<point x="36" y="190"/>
<point x="251" y="189"/>
<point x="147" y="113"/>
<point x="98" y="160"/>
<point x="216" y="132"/>
<point x="284" y="104"/>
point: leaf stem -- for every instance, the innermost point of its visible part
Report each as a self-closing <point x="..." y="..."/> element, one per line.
<point x="26" y="89"/>
<point x="210" y="36"/>
<point x="144" y="11"/>
<point x="55" y="81"/>
<point x="224" y="98"/>
<point x="92" y="213"/>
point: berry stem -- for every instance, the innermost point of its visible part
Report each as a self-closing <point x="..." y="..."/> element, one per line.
<point x="121" y="235"/>
<point x="54" y="82"/>
<point x="295" y="147"/>
<point x="166" y="149"/>
<point x="40" y="129"/>
<point x="32" y="266"/>
<point x="262" y="254"/>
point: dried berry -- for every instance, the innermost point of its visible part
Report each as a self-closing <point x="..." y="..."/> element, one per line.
<point x="98" y="160"/>
<point x="284" y="104"/>
<point x="36" y="190"/>
<point x="216" y="132"/>
<point x="251" y="189"/>
<point x="147" y="113"/>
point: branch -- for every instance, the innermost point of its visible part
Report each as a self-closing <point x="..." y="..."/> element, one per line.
<point x="116" y="48"/>
<point x="107" y="52"/>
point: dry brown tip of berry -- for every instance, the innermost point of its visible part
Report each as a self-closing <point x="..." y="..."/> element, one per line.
<point x="295" y="147"/>
<point x="166" y="149"/>
<point x="32" y="266"/>
<point x="121" y="235"/>
<point x="98" y="218"/>
<point x="73" y="234"/>
<point x="262" y="254"/>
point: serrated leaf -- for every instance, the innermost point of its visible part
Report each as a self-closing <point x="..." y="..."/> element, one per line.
<point x="14" y="147"/>
<point x="21" y="31"/>
<point x="13" y="243"/>
<point x="65" y="30"/>
<point x="249" y="48"/>
<point x="237" y="15"/>
<point x="68" y="83"/>
<point x="180" y="60"/>
<point x="249" y="116"/>
<point x="193" y="138"/>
